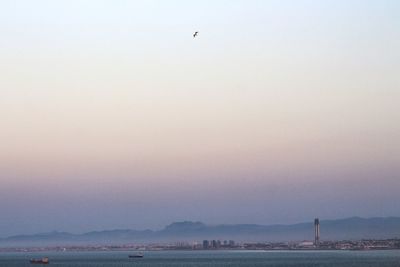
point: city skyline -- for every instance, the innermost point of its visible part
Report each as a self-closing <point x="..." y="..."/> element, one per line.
<point x="352" y="228"/>
<point x="113" y="116"/>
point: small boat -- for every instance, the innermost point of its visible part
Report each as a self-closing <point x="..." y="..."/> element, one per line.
<point x="138" y="255"/>
<point x="44" y="260"/>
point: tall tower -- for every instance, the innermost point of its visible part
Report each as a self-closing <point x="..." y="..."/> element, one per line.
<point x="316" y="231"/>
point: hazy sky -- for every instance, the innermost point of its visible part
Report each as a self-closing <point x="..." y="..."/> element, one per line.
<point x="113" y="116"/>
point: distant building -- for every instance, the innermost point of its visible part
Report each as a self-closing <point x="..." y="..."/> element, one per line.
<point x="216" y="244"/>
<point x="206" y="244"/>
<point x="316" y="231"/>
<point x="306" y="244"/>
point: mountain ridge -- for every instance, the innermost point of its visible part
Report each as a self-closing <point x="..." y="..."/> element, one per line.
<point x="351" y="228"/>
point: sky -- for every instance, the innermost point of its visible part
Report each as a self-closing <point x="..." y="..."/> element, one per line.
<point x="113" y="116"/>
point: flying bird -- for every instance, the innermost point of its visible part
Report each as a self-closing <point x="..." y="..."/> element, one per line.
<point x="195" y="34"/>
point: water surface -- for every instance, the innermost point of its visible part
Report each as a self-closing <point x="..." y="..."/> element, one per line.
<point x="212" y="258"/>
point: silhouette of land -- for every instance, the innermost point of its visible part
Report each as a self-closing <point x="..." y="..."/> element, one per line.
<point x="351" y="229"/>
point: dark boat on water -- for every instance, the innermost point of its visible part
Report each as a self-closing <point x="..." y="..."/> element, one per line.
<point x="40" y="261"/>
<point x="138" y="255"/>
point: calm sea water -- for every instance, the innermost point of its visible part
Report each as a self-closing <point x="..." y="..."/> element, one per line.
<point x="212" y="258"/>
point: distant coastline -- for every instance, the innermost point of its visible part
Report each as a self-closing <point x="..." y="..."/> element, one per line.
<point x="188" y="233"/>
<point x="360" y="245"/>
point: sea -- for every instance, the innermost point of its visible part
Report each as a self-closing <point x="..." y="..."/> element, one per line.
<point x="384" y="258"/>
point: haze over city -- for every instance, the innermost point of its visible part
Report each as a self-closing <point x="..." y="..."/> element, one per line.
<point x="113" y="116"/>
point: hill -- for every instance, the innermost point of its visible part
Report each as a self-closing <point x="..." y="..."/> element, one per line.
<point x="343" y="229"/>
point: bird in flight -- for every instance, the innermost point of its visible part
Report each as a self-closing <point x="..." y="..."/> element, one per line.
<point x="195" y="34"/>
